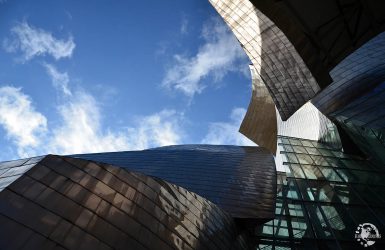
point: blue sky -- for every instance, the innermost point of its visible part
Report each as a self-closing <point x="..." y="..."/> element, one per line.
<point x="117" y="75"/>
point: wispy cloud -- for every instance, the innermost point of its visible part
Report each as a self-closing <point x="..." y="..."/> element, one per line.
<point x="60" y="80"/>
<point x="82" y="130"/>
<point x="218" y="55"/>
<point x="23" y="125"/>
<point x="32" y="41"/>
<point x="80" y="127"/>
<point x="159" y="129"/>
<point x="184" y="25"/>
<point x="227" y="132"/>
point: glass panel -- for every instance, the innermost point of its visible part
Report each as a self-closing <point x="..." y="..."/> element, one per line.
<point x="292" y="158"/>
<point x="320" y="226"/>
<point x="313" y="151"/>
<point x="280" y="227"/>
<point x="306" y="192"/>
<point x="307" y="143"/>
<point x="312" y="172"/>
<point x="346" y="175"/>
<point x="330" y="174"/>
<point x="299" y="149"/>
<point x="304" y="159"/>
<point x="295" y="142"/>
<point x="292" y="190"/>
<point x="319" y="160"/>
<point x="288" y="148"/>
<point x="297" y="171"/>
<point x="346" y="194"/>
<point x="300" y="228"/>
<point x="339" y="220"/>
<point x="326" y="152"/>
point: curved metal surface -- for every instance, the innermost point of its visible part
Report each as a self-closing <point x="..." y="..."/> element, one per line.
<point x="67" y="203"/>
<point x="240" y="180"/>
<point x="260" y="121"/>
<point x="325" y="32"/>
<point x="276" y="61"/>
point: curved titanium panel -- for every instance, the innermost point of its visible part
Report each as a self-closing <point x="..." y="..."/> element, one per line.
<point x="240" y="180"/>
<point x="275" y="59"/>
<point x="325" y="32"/>
<point x="355" y="76"/>
<point x="10" y="171"/>
<point x="260" y="121"/>
<point x="67" y="203"/>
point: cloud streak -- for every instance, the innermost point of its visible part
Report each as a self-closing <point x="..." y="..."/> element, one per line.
<point x="32" y="42"/>
<point x="59" y="80"/>
<point x="80" y="127"/>
<point x="226" y="133"/>
<point x="219" y="55"/>
<point x="23" y="125"/>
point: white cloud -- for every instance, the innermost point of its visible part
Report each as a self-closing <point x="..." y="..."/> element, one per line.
<point x="33" y="42"/>
<point x="159" y="129"/>
<point x="59" y="80"/>
<point x="80" y="127"/>
<point x="220" y="54"/>
<point x="227" y="132"/>
<point x="23" y="125"/>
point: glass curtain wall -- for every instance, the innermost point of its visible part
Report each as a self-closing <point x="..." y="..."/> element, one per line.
<point x="322" y="198"/>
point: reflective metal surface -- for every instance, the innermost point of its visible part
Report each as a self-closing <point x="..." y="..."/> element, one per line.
<point x="275" y="59"/>
<point x="356" y="75"/>
<point x="260" y="122"/>
<point x="325" y="32"/>
<point x="67" y="203"/>
<point x="240" y="180"/>
<point x="10" y="171"/>
<point x="298" y="47"/>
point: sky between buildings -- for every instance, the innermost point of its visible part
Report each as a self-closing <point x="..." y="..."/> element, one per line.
<point x="92" y="76"/>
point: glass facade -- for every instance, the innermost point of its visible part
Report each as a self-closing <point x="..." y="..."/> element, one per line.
<point x="364" y="121"/>
<point x="322" y="198"/>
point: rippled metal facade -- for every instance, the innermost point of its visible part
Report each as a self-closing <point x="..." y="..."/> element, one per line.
<point x="358" y="74"/>
<point x="299" y="48"/>
<point x="67" y="203"/>
<point x="260" y="121"/>
<point x="285" y="74"/>
<point x="240" y="180"/>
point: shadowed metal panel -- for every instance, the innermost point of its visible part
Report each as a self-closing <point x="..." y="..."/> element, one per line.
<point x="325" y="32"/>
<point x="260" y="122"/>
<point x="357" y="74"/>
<point x="241" y="180"/>
<point x="71" y="203"/>
<point x="364" y="121"/>
<point x="305" y="42"/>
